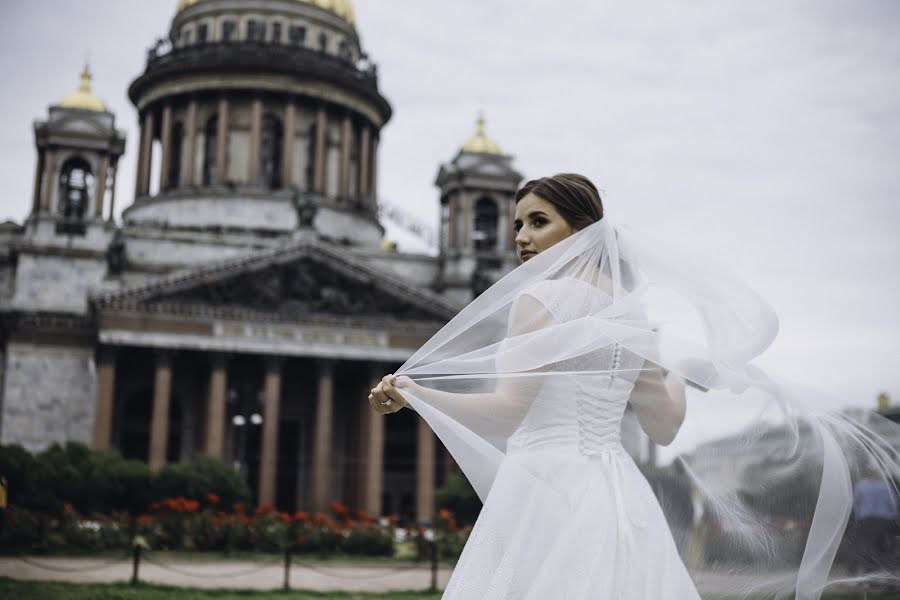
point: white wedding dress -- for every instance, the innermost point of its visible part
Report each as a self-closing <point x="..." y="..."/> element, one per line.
<point x="569" y="515"/>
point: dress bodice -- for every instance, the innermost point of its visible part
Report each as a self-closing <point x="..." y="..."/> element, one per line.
<point x="580" y="412"/>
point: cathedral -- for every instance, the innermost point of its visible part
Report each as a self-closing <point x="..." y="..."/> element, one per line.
<point x="246" y="300"/>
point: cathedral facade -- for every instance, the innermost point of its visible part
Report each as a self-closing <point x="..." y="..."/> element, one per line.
<point x="245" y="302"/>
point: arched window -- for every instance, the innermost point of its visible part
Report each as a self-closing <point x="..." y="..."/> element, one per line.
<point x="256" y="30"/>
<point x="323" y="42"/>
<point x="297" y="35"/>
<point x="174" y="174"/>
<point x="344" y="50"/>
<point x="76" y="185"/>
<point x="270" y="144"/>
<point x="486" y="216"/>
<point x="211" y="137"/>
<point x="228" y="29"/>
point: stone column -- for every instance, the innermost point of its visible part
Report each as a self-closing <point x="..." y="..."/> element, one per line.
<point x="452" y="218"/>
<point x="371" y="458"/>
<point x="425" y="446"/>
<point x="112" y="190"/>
<point x="215" y="407"/>
<point x="165" y="137"/>
<point x="511" y="234"/>
<point x="255" y="139"/>
<point x="146" y="153"/>
<point x="103" y="409"/>
<point x="268" y="460"/>
<point x="38" y="177"/>
<point x="346" y="141"/>
<point x="222" y="143"/>
<point x="139" y="172"/>
<point x="49" y="180"/>
<point x="319" y="158"/>
<point x="503" y="223"/>
<point x="364" y="150"/>
<point x="465" y="209"/>
<point x="321" y="472"/>
<point x="159" y="423"/>
<point x="100" y="187"/>
<point x="190" y="146"/>
<point x="373" y="175"/>
<point x="287" y="150"/>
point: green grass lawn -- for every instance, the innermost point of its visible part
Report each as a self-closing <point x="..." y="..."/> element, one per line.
<point x="40" y="590"/>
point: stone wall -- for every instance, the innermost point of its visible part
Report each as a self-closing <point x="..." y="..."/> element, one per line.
<point x="48" y="395"/>
<point x="7" y="280"/>
<point x="56" y="283"/>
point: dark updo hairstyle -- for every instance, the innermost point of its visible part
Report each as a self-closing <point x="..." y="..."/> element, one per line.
<point x="574" y="197"/>
<point x="578" y="201"/>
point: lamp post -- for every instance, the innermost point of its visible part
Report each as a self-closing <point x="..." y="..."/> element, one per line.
<point x="241" y="421"/>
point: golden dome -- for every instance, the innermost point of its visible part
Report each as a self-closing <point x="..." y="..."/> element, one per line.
<point x="342" y="8"/>
<point x="83" y="97"/>
<point x="480" y="142"/>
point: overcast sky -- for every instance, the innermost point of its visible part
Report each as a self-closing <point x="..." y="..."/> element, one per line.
<point x="766" y="131"/>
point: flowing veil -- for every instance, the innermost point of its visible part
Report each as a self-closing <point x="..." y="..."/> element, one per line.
<point x="766" y="507"/>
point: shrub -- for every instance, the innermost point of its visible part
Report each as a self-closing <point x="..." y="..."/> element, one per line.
<point x="200" y="477"/>
<point x="458" y="496"/>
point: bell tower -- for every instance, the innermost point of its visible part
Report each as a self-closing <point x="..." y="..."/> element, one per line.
<point x="477" y="190"/>
<point x="78" y="150"/>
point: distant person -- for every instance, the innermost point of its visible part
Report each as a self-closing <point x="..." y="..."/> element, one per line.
<point x="875" y="508"/>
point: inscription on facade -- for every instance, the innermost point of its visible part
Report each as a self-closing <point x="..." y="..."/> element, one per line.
<point x="292" y="333"/>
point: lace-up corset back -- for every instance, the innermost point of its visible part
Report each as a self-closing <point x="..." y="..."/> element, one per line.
<point x="580" y="413"/>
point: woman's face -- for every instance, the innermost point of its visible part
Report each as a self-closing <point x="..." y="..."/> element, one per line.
<point x="538" y="226"/>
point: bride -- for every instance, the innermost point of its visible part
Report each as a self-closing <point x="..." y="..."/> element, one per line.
<point x="527" y="387"/>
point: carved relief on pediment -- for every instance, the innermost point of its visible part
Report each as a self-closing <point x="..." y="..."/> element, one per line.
<point x="297" y="289"/>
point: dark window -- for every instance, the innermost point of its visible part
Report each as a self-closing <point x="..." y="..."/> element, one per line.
<point x="276" y="33"/>
<point x="486" y="216"/>
<point x="209" y="151"/>
<point x="202" y="33"/>
<point x="175" y="155"/>
<point x="76" y="185"/>
<point x="323" y="42"/>
<point x="344" y="50"/>
<point x="271" y="140"/>
<point x="297" y="34"/>
<point x="256" y="31"/>
<point x="228" y="31"/>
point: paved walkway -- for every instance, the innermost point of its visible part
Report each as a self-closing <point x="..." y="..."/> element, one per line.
<point x="268" y="574"/>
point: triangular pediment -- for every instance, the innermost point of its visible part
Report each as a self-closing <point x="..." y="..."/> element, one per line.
<point x="309" y="280"/>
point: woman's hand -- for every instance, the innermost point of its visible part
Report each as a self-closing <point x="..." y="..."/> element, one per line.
<point x="385" y="399"/>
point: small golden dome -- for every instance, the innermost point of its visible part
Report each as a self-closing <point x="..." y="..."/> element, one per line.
<point x="83" y="97"/>
<point x="480" y="142"/>
<point x="342" y="8"/>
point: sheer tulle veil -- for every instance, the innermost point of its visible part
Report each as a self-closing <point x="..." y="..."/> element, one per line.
<point x="768" y="502"/>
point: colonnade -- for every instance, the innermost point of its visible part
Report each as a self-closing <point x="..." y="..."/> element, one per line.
<point x="370" y="445"/>
<point x="358" y="140"/>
